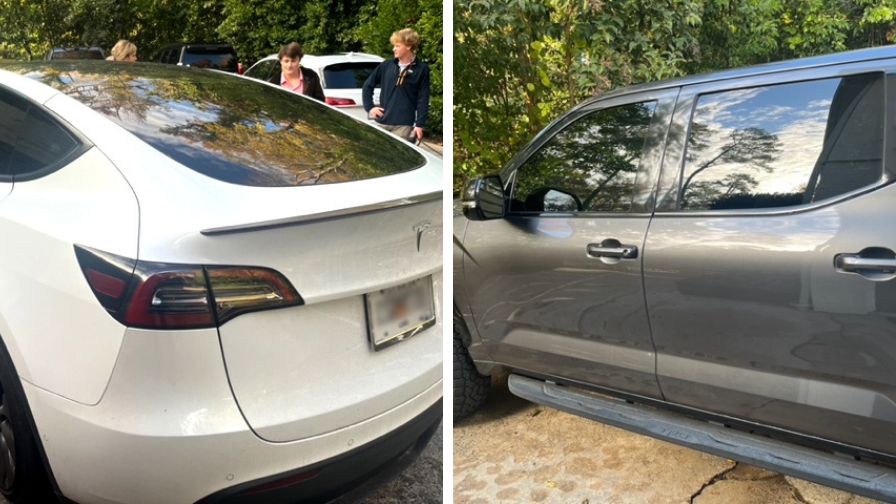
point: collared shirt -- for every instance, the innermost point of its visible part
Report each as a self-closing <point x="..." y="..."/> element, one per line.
<point x="300" y="88"/>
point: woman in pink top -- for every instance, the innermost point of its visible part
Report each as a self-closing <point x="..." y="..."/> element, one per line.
<point x="293" y="76"/>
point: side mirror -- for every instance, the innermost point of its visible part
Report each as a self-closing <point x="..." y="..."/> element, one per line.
<point x="483" y="198"/>
<point x="556" y="200"/>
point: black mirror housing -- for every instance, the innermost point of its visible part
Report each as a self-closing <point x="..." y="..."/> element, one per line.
<point x="483" y="198"/>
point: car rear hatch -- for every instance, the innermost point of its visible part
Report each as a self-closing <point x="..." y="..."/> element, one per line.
<point x="307" y="370"/>
<point x="234" y="173"/>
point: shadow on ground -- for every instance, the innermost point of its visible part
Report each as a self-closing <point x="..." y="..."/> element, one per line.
<point x="514" y="451"/>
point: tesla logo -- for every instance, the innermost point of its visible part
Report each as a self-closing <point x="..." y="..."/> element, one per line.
<point x="421" y="228"/>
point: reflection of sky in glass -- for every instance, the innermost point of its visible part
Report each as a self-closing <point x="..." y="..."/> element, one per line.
<point x="795" y="113"/>
<point x="229" y="128"/>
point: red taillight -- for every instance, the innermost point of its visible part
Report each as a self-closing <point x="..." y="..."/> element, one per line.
<point x="175" y="298"/>
<point x="105" y="284"/>
<point x="181" y="296"/>
<point x="240" y="69"/>
<point x="340" y="102"/>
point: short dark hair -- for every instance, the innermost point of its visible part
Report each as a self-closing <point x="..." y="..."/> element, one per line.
<point x="292" y="49"/>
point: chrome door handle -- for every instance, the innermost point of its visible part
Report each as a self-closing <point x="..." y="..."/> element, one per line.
<point x="877" y="264"/>
<point x="854" y="263"/>
<point x="620" y="252"/>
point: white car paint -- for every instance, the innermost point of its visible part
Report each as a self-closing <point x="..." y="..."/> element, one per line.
<point x="131" y="415"/>
<point x="168" y="429"/>
<point x="319" y="63"/>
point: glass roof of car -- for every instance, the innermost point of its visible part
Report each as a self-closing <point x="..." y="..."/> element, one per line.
<point x="230" y="128"/>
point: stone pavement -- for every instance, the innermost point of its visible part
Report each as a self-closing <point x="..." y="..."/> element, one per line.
<point x="432" y="146"/>
<point x="420" y="483"/>
<point x="516" y="451"/>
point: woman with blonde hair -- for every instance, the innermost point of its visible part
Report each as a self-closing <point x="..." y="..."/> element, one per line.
<point x="124" y="50"/>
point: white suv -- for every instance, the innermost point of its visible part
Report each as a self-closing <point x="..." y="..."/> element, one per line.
<point x="209" y="291"/>
<point x="341" y="75"/>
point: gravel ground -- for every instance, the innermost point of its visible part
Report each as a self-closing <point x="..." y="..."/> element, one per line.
<point x="420" y="483"/>
<point x="516" y="451"/>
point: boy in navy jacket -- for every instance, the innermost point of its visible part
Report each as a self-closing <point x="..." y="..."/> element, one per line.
<point x="404" y="89"/>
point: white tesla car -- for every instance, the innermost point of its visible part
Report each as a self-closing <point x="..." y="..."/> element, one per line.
<point x="210" y="290"/>
<point x="341" y="75"/>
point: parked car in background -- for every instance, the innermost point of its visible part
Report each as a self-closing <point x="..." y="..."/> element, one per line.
<point x="709" y="260"/>
<point x="216" y="56"/>
<point x="212" y="291"/>
<point x="77" y="53"/>
<point x="341" y="75"/>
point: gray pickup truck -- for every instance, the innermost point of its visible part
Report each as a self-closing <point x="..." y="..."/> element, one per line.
<point x="707" y="260"/>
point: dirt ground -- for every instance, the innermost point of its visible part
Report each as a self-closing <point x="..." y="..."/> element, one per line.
<point x="516" y="451"/>
<point x="420" y="483"/>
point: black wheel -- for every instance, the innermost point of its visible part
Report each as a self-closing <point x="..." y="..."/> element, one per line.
<point x="23" y="477"/>
<point x="470" y="387"/>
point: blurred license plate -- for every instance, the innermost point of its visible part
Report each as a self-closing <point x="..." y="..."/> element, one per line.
<point x="399" y="312"/>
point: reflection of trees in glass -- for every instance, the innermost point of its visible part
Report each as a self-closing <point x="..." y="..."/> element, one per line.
<point x="230" y="128"/>
<point x="748" y="149"/>
<point x="595" y="158"/>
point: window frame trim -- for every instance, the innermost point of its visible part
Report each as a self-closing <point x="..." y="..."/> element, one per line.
<point x="668" y="193"/>
<point x="648" y="171"/>
<point x="82" y="143"/>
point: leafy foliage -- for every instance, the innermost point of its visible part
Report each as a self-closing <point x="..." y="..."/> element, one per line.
<point x="520" y="64"/>
<point x="255" y="28"/>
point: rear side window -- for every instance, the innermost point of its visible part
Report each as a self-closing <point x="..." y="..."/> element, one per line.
<point x="13" y="110"/>
<point x="348" y="75"/>
<point x="30" y="140"/>
<point x="784" y="145"/>
<point x="589" y="166"/>
<point x="264" y="70"/>
<point x="221" y="59"/>
<point x="42" y="144"/>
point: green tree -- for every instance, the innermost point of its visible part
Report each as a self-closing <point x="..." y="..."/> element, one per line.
<point x="521" y="64"/>
<point x="376" y="23"/>
<point x="526" y="62"/>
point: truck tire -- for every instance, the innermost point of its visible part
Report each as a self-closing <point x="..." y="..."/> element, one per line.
<point x="470" y="387"/>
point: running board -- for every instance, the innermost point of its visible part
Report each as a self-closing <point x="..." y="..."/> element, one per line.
<point x="861" y="478"/>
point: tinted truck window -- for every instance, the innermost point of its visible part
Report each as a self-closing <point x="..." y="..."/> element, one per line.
<point x="218" y="58"/>
<point x="227" y="127"/>
<point x="784" y="145"/>
<point x="589" y="166"/>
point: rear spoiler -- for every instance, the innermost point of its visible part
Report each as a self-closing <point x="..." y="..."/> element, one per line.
<point x="321" y="216"/>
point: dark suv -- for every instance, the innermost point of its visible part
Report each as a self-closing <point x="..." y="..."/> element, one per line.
<point x="79" y="53"/>
<point x="707" y="260"/>
<point x="217" y="56"/>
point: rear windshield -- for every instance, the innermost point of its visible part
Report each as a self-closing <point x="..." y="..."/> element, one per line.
<point x="227" y="127"/>
<point x="348" y="75"/>
<point x="221" y="58"/>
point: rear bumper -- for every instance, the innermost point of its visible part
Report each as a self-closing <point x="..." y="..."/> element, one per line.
<point x="355" y="472"/>
<point x="169" y="430"/>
